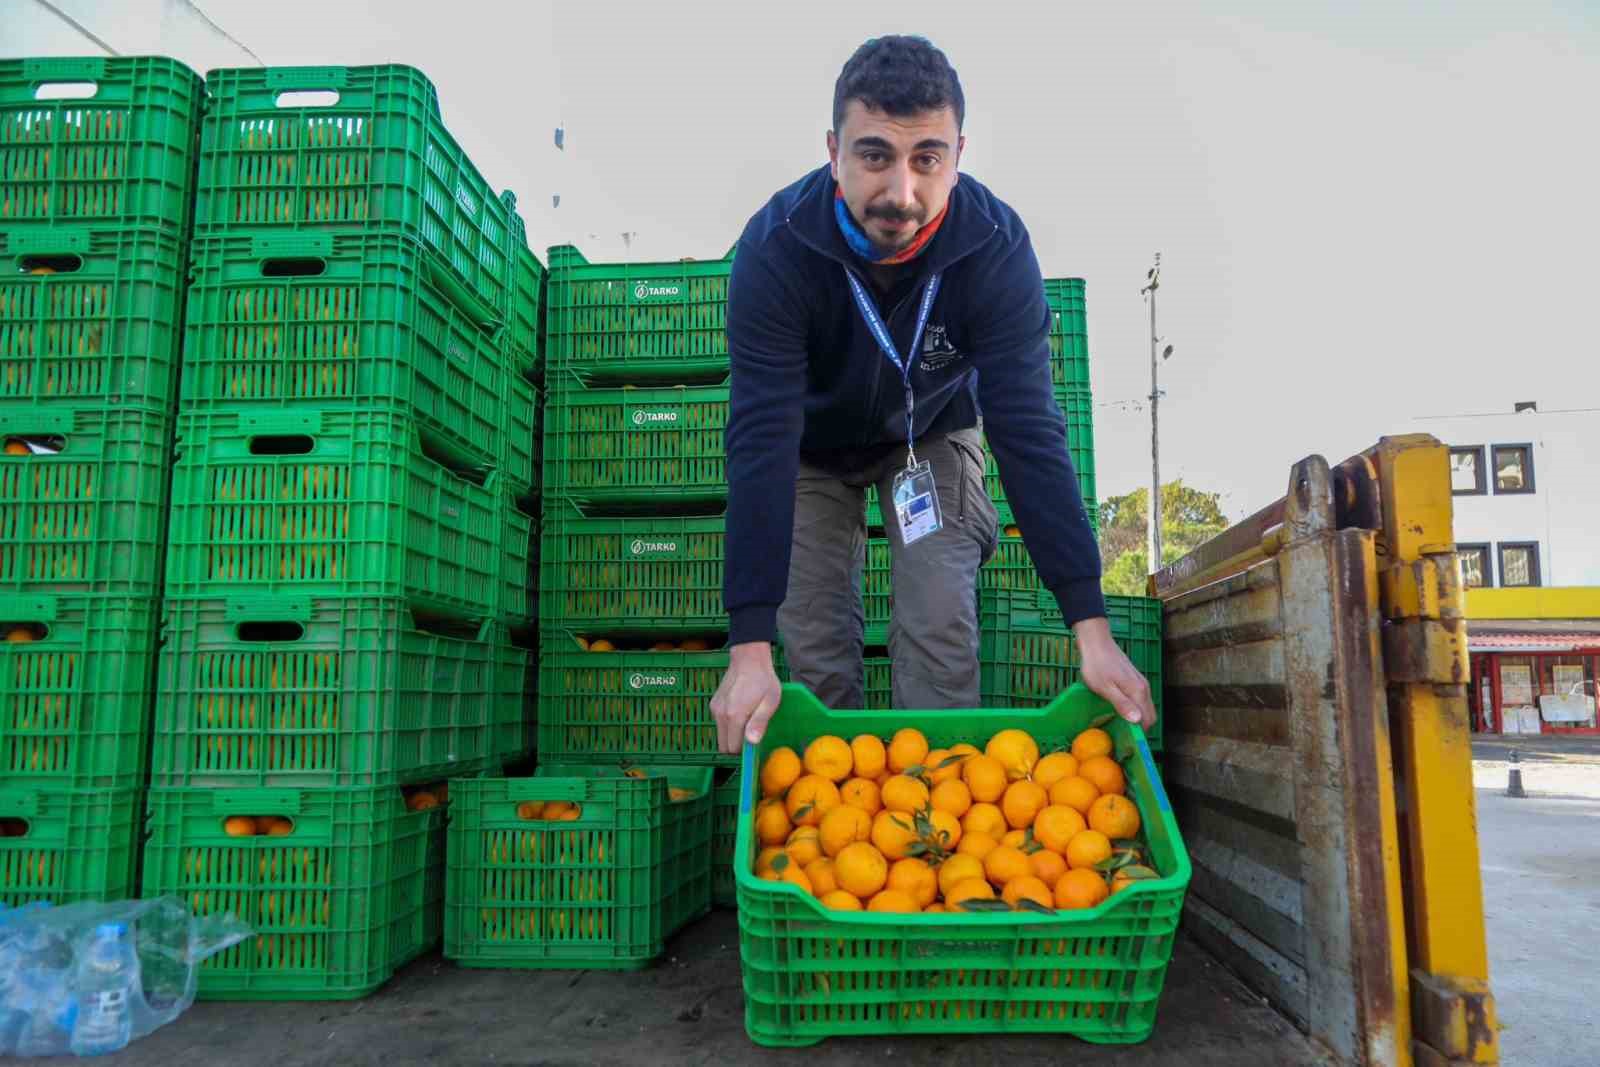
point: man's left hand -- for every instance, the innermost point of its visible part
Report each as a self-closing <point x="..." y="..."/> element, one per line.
<point x="1108" y="672"/>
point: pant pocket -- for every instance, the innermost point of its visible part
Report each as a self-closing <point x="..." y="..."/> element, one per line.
<point x="978" y="513"/>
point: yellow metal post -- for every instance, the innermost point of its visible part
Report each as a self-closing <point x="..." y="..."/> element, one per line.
<point x="1425" y="661"/>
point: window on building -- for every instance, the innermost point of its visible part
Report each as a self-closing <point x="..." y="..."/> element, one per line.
<point x="1519" y="563"/>
<point x="1517" y="685"/>
<point x="1568" y="682"/>
<point x="1467" y="477"/>
<point x="1566" y="676"/>
<point x="1475" y="571"/>
<point x="1513" y="468"/>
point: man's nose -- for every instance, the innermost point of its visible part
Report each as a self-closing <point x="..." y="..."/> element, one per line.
<point x="902" y="192"/>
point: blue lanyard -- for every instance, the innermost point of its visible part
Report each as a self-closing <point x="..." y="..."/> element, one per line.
<point x="880" y="333"/>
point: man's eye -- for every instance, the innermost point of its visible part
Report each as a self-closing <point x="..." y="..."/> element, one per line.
<point x="929" y="161"/>
<point x="872" y="157"/>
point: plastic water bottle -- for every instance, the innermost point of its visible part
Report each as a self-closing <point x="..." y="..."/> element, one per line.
<point x="107" y="978"/>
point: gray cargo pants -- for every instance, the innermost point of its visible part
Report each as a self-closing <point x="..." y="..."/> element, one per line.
<point x="933" y="630"/>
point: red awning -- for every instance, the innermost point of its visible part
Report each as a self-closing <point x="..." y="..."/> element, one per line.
<point x="1532" y="641"/>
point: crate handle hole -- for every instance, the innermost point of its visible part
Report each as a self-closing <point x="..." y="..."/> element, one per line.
<point x="293" y="267"/>
<point x="271" y="631"/>
<point x="289" y="444"/>
<point x="307" y="98"/>
<point x="440" y="626"/>
<point x="23" y="633"/>
<point x="15" y="827"/>
<point x="66" y="90"/>
<point x="34" y="444"/>
<point x="63" y="263"/>
<point x="258" y="826"/>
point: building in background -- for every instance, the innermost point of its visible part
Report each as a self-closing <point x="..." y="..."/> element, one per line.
<point x="1527" y="524"/>
<point x="1535" y="656"/>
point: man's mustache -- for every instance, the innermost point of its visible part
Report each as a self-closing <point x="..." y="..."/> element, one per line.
<point x="890" y="214"/>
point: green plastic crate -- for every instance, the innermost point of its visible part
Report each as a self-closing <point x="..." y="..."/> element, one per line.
<point x="632" y="705"/>
<point x="1077" y="406"/>
<point x="337" y="905"/>
<point x="1010" y="569"/>
<point x="630" y="575"/>
<point x="811" y="974"/>
<point x="84" y="509"/>
<point x="119" y="158"/>
<point x="1026" y="656"/>
<point x="879" y="674"/>
<point x="1069" y="333"/>
<point x="527" y="292"/>
<point x="522" y="440"/>
<point x="604" y="891"/>
<point x="527" y="295"/>
<point x="351" y="321"/>
<point x="877" y="583"/>
<point x="76" y="844"/>
<point x="349" y="148"/>
<point x="75" y="685"/>
<point x="329" y="503"/>
<point x="521" y="560"/>
<point x="90" y="316"/>
<point x="724" y="836"/>
<point x="635" y="446"/>
<point x="303" y="693"/>
<point x="651" y="321"/>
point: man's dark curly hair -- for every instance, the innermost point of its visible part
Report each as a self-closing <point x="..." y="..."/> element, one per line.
<point x="899" y="75"/>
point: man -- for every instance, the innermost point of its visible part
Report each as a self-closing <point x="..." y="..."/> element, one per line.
<point x="876" y="307"/>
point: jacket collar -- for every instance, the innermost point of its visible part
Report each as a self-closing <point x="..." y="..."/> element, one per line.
<point x="965" y="228"/>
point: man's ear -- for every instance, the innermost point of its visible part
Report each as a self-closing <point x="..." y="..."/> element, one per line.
<point x="833" y="153"/>
<point x="961" y="145"/>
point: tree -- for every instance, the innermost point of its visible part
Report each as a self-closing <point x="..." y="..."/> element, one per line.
<point x="1189" y="517"/>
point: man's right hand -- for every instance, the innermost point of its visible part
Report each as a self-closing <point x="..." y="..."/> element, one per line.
<point x="747" y="697"/>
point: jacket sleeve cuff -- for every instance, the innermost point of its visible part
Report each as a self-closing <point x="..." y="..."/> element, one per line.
<point x="1080" y="599"/>
<point x="756" y="622"/>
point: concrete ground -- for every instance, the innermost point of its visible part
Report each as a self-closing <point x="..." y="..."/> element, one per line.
<point x="1541" y="884"/>
<point x="688" y="1009"/>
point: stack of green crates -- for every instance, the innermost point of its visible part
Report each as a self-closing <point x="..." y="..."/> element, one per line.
<point x="632" y="629"/>
<point x="348" y="596"/>
<point x="96" y="187"/>
<point x="635" y="495"/>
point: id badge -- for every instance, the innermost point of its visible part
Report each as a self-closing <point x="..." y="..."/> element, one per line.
<point x="916" y="503"/>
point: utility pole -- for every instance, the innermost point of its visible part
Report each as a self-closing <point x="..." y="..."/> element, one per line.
<point x="1153" y="282"/>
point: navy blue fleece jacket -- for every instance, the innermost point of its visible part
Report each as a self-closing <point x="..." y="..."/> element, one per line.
<point x="809" y="379"/>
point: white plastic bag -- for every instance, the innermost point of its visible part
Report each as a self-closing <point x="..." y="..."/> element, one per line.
<point x="87" y="978"/>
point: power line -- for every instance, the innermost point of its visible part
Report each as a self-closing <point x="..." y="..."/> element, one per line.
<point x="1499" y="414"/>
<point x="192" y="6"/>
<point x="75" y="24"/>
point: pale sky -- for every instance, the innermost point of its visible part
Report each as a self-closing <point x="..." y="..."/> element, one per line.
<point x="1366" y="211"/>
